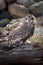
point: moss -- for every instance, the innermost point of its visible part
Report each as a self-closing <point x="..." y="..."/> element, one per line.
<point x="36" y="39"/>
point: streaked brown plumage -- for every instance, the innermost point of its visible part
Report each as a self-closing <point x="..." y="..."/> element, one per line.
<point x="22" y="32"/>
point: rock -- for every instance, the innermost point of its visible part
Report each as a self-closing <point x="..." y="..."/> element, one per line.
<point x="40" y="21"/>
<point x="16" y="20"/>
<point x="37" y="8"/>
<point x="17" y="11"/>
<point x="24" y="54"/>
<point x="2" y="4"/>
<point x="10" y="1"/>
<point x="38" y="36"/>
<point x="4" y="22"/>
<point x="38" y="0"/>
<point x="26" y="3"/>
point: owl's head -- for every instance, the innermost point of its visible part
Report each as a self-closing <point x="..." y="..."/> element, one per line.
<point x="31" y="19"/>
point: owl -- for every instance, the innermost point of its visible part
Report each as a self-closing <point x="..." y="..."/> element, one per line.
<point x="23" y="31"/>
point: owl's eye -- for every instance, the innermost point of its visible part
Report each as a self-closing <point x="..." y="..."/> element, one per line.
<point x="26" y="18"/>
<point x="32" y="18"/>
